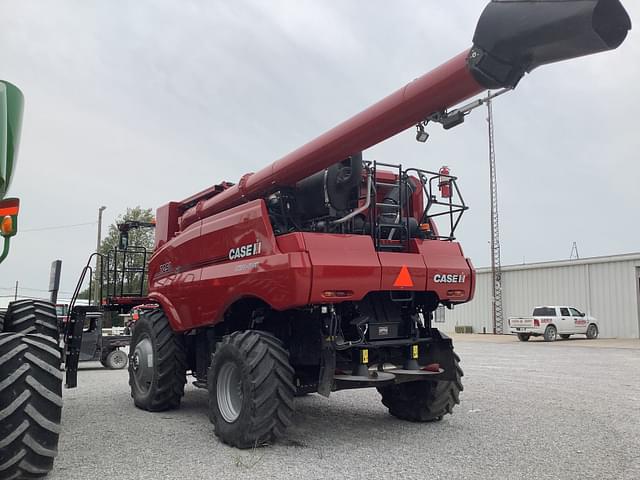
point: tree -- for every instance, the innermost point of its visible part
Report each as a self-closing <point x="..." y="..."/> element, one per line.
<point x="123" y="269"/>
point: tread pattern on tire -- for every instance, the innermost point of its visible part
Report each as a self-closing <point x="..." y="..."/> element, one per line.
<point x="30" y="404"/>
<point x="32" y="316"/>
<point x="170" y="363"/>
<point x="592" y="337"/>
<point x="424" y="401"/>
<point x="2" y="314"/>
<point x="271" y="380"/>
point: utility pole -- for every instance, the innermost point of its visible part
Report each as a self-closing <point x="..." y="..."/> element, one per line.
<point x="97" y="272"/>
<point x="496" y="271"/>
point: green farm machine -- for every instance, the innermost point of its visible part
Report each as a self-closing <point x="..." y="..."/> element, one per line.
<point x="30" y="376"/>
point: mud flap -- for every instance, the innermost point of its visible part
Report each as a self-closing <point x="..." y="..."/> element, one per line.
<point x="327" y="368"/>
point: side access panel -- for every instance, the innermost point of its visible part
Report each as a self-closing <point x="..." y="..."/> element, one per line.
<point x="238" y="257"/>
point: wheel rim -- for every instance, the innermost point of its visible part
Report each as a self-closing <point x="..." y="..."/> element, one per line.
<point x="142" y="364"/>
<point x="229" y="392"/>
<point x="118" y="359"/>
<point x="552" y="333"/>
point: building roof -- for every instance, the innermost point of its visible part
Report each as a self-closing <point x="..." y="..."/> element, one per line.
<point x="567" y="263"/>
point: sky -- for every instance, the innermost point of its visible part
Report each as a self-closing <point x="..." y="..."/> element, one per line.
<point x="145" y="102"/>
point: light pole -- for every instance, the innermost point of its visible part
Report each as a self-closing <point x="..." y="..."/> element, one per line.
<point x="97" y="293"/>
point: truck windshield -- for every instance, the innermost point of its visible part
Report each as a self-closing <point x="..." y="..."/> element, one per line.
<point x="544" y="312"/>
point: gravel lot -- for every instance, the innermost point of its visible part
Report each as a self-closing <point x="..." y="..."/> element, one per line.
<point x="529" y="410"/>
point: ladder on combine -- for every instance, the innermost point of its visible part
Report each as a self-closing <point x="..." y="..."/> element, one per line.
<point x="392" y="233"/>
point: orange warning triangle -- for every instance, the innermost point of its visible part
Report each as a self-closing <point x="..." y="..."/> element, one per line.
<point x="404" y="278"/>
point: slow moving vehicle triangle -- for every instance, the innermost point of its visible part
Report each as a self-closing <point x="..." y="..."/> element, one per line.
<point x="404" y="278"/>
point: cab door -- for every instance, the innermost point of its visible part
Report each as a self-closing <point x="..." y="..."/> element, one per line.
<point x="91" y="336"/>
<point x="565" y="322"/>
<point x="578" y="320"/>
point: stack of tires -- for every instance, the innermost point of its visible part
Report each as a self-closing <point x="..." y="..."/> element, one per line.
<point x="30" y="389"/>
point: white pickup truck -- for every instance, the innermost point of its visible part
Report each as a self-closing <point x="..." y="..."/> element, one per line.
<point x="549" y="322"/>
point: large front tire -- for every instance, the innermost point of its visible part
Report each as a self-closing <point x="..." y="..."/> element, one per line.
<point x="32" y="316"/>
<point x="424" y="401"/>
<point x="157" y="365"/>
<point x="30" y="404"/>
<point x="592" y="331"/>
<point x="251" y="389"/>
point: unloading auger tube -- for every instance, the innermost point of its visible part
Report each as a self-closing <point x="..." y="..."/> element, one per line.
<point x="511" y="38"/>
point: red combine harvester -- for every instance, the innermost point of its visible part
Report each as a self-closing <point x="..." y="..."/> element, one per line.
<point x="322" y="271"/>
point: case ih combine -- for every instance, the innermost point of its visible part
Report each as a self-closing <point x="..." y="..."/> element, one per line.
<point x="321" y="272"/>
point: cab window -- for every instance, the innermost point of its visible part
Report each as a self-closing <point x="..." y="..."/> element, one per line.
<point x="544" y="312"/>
<point x="576" y="313"/>
<point x="565" y="312"/>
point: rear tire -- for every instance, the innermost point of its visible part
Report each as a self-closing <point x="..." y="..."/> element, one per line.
<point x="524" y="337"/>
<point x="251" y="390"/>
<point x="592" y="331"/>
<point x="32" y="316"/>
<point x="423" y="401"/>
<point x="116" y="360"/>
<point x="30" y="404"/>
<point x="565" y="336"/>
<point x="550" y="334"/>
<point x="158" y="365"/>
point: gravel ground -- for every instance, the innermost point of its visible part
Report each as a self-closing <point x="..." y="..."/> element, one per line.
<point x="529" y="410"/>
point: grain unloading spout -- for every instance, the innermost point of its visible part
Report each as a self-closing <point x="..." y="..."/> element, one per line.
<point x="511" y="38"/>
<point x="515" y="36"/>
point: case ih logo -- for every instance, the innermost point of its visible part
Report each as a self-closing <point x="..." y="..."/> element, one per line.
<point x="449" y="278"/>
<point x="245" y="251"/>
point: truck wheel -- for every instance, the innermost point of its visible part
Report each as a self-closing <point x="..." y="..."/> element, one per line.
<point x="116" y="360"/>
<point x="251" y="389"/>
<point x="32" y="316"/>
<point x="524" y="337"/>
<point x="157" y="370"/>
<point x="30" y="404"/>
<point x="423" y="401"/>
<point x="565" y="336"/>
<point x="592" y="331"/>
<point x="550" y="334"/>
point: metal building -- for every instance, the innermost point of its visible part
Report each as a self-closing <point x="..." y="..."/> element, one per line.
<point x="606" y="287"/>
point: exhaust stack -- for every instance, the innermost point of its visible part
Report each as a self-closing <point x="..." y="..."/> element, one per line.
<point x="512" y="37"/>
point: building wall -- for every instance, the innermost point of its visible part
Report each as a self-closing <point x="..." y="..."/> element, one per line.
<point x="605" y="287"/>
